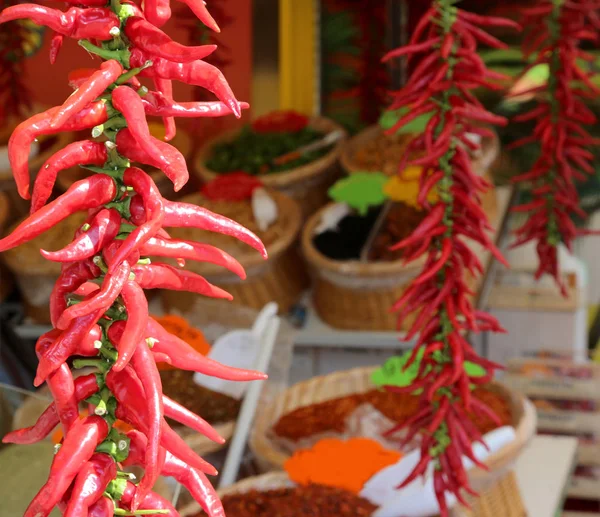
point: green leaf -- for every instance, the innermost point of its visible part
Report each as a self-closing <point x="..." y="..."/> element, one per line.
<point x="389" y="118"/>
<point x="360" y="191"/>
<point x="537" y="76"/>
<point x="392" y="373"/>
<point x="474" y="370"/>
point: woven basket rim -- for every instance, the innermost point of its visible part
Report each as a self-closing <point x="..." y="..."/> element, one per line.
<point x="491" y="150"/>
<point x="279" y="179"/>
<point x="522" y="411"/>
<point x="251" y="258"/>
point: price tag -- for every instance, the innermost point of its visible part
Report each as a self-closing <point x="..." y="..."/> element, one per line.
<point x="237" y="348"/>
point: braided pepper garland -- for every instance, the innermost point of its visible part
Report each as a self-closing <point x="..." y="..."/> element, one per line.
<point x="557" y="29"/>
<point x="439" y="298"/>
<point x="98" y="306"/>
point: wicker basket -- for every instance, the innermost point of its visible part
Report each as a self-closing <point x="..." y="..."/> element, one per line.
<point x="47" y="145"/>
<point x="348" y="158"/>
<point x="182" y="141"/>
<point x="502" y="499"/>
<point x="282" y="278"/>
<point x="307" y="184"/>
<point x="35" y="275"/>
<point x="354" y="295"/>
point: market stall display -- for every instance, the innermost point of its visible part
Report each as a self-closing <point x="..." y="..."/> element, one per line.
<point x="281" y="278"/>
<point x="269" y="150"/>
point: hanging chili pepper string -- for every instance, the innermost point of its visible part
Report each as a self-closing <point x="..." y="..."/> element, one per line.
<point x="557" y="28"/>
<point x="437" y="306"/>
<point x="98" y="304"/>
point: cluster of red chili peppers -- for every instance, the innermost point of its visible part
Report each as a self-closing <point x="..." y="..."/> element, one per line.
<point x="440" y="297"/>
<point x="557" y="28"/>
<point x="98" y="308"/>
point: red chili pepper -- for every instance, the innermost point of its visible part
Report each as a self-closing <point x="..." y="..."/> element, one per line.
<point x="198" y="7"/>
<point x="184" y="416"/>
<point x="77" y="448"/>
<point x="157" y="247"/>
<point x="158" y="12"/>
<point x="79" y="23"/>
<point x="76" y="335"/>
<point x="90" y="484"/>
<point x="19" y="144"/>
<point x="280" y="122"/>
<point x="178" y="353"/>
<point x="166" y="157"/>
<point x="87" y="92"/>
<point x="152" y="501"/>
<point x="164" y="276"/>
<point x="147" y="37"/>
<point x="85" y="386"/>
<point x="157" y="104"/>
<point x="197" y="73"/>
<point x="186" y="215"/>
<point x="103" y="228"/>
<point x="137" y="312"/>
<point x="85" y="152"/>
<point x="104" y="507"/>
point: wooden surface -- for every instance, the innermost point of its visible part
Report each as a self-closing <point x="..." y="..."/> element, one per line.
<point x="543" y="471"/>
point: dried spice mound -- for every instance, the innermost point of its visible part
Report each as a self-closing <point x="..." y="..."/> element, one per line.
<point x="302" y="501"/>
<point x="331" y="415"/>
<point x="383" y="153"/>
<point x="214" y="407"/>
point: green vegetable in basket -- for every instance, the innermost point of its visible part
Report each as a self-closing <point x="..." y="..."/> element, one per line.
<point x="360" y="191"/>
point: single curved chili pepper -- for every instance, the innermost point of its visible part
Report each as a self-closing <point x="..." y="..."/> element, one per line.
<point x="62" y="387"/>
<point x="157" y="247"/>
<point x="194" y="480"/>
<point x="186" y="215"/>
<point x="111" y="288"/>
<point x="180" y="354"/>
<point x="153" y="206"/>
<point x="103" y="228"/>
<point x="129" y="103"/>
<point x="184" y="416"/>
<point x="155" y="42"/>
<point x="72" y="276"/>
<point x="133" y="332"/>
<point x="145" y="368"/>
<point x="79" y="23"/>
<point x="79" y="335"/>
<point x="129" y="392"/>
<point x="157" y="104"/>
<point x="157" y="12"/>
<point x="198" y="7"/>
<point x="164" y="276"/>
<point x="55" y="46"/>
<point x="85" y="386"/>
<point x="128" y="146"/>
<point x="19" y="144"/>
<point x="197" y="73"/>
<point x="77" y="448"/>
<point x="90" y="484"/>
<point x="87" y="92"/>
<point x="104" y="507"/>
<point x="85" y="152"/>
<point x="165" y="87"/>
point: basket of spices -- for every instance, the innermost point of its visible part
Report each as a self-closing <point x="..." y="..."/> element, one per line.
<point x="287" y="151"/>
<point x="274" y="494"/>
<point x="34" y="275"/>
<point x="41" y="149"/>
<point x="375" y="149"/>
<point x="348" y="244"/>
<point x="182" y="141"/>
<point x="350" y="404"/>
<point x="275" y="218"/>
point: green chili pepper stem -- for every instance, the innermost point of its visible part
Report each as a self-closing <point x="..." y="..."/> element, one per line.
<point x="98" y="261"/>
<point x="110" y="354"/>
<point x="133" y="72"/>
<point x="117" y="122"/>
<point x="120" y="55"/>
<point x="96" y="363"/>
<point x="107" y="448"/>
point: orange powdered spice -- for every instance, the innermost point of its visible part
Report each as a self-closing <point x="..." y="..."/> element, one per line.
<point x="346" y="464"/>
